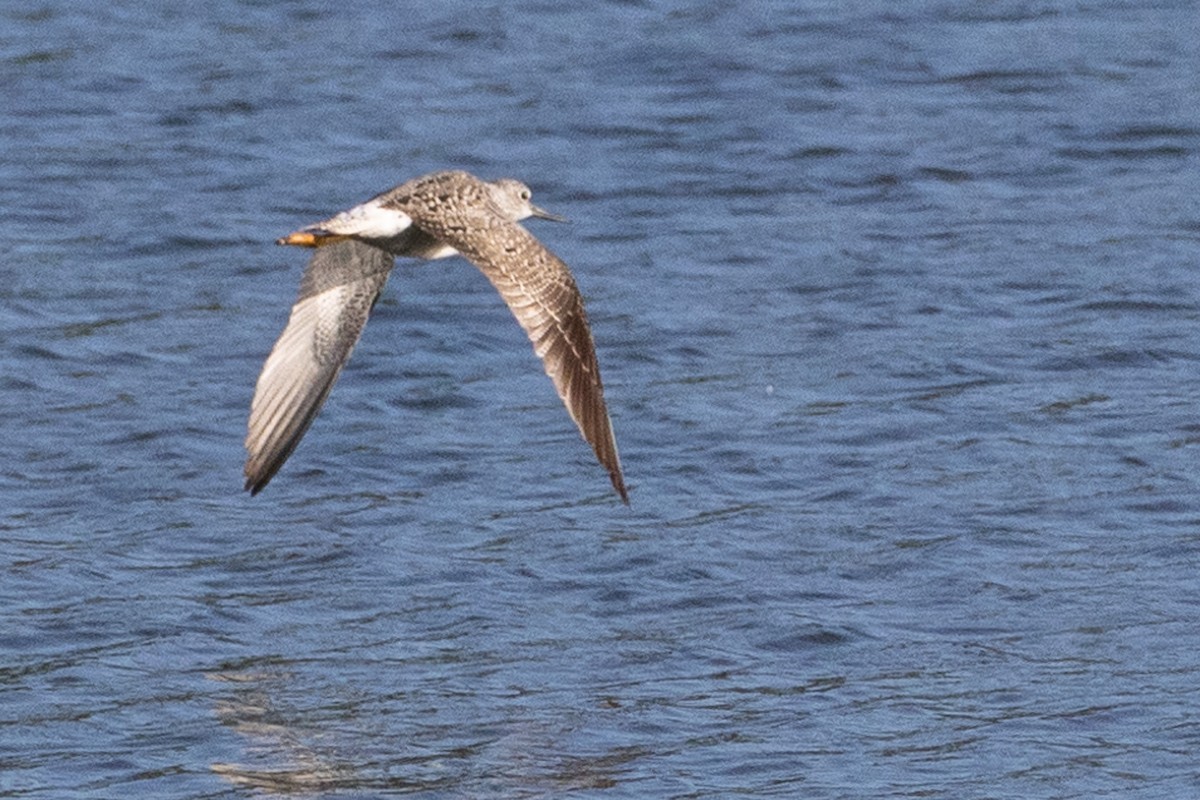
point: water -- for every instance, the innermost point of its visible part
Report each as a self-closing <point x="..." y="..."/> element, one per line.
<point x="898" y="311"/>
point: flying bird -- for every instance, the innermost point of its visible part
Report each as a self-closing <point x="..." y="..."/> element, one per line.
<point x="435" y="216"/>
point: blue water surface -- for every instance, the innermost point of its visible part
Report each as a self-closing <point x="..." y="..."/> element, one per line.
<point x="899" y="318"/>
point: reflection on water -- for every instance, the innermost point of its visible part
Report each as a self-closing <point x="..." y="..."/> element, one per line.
<point x="298" y="751"/>
<point x="282" y="760"/>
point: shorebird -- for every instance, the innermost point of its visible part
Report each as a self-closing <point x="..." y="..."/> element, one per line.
<point x="436" y="216"/>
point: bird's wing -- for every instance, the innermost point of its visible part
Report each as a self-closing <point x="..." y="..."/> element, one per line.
<point x="542" y="295"/>
<point x="337" y="292"/>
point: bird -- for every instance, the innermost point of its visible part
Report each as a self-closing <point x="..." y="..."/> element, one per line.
<point x="436" y="216"/>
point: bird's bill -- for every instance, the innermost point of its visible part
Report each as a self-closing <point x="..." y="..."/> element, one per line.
<point x="307" y="238"/>
<point x="542" y="213"/>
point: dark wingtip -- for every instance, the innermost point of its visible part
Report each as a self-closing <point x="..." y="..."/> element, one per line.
<point x="619" y="484"/>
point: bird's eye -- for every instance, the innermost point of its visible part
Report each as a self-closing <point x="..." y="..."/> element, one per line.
<point x="525" y="194"/>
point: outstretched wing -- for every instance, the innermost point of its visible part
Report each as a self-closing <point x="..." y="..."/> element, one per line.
<point x="339" y="288"/>
<point x="542" y="295"/>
